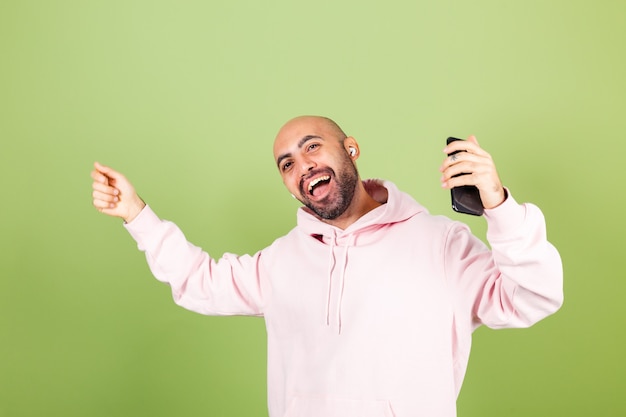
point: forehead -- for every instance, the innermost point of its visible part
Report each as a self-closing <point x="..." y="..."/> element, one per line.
<point x="295" y="130"/>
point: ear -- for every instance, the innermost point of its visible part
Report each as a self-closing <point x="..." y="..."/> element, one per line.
<point x="352" y="148"/>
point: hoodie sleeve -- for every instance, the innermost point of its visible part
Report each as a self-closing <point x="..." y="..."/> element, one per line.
<point x="229" y="286"/>
<point x="518" y="282"/>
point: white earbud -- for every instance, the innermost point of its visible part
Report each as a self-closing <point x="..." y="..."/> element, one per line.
<point x="352" y="151"/>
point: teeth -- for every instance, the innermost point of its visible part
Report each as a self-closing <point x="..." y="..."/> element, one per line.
<point x="316" y="181"/>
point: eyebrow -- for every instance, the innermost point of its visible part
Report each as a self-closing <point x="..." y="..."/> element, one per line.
<point x="301" y="143"/>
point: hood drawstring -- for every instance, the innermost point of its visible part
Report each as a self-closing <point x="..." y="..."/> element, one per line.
<point x="343" y="279"/>
<point x="331" y="267"/>
<point x="332" y="264"/>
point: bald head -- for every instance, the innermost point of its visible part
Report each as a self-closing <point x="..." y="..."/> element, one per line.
<point x="306" y="126"/>
<point x="320" y="122"/>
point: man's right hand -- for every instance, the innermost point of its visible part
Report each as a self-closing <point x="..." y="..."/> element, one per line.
<point x="114" y="195"/>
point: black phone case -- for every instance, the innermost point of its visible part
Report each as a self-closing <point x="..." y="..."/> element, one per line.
<point x="466" y="198"/>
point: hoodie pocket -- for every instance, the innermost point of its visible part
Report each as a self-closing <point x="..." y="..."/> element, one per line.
<point x="334" y="407"/>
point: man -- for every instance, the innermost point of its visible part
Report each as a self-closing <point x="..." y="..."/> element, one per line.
<point x="370" y="302"/>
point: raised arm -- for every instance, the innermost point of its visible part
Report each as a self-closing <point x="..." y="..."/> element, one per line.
<point x="199" y="283"/>
<point x="518" y="282"/>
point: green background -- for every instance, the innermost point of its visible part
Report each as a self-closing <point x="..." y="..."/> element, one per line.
<point x="185" y="98"/>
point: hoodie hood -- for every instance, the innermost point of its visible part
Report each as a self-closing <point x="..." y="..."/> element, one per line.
<point x="396" y="207"/>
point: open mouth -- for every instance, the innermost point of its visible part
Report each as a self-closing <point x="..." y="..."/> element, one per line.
<point x="318" y="184"/>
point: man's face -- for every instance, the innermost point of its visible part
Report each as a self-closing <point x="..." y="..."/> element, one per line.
<point x="315" y="166"/>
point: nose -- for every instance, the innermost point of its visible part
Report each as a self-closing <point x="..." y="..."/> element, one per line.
<point x="306" y="165"/>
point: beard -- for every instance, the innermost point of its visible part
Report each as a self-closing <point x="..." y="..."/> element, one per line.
<point x="337" y="202"/>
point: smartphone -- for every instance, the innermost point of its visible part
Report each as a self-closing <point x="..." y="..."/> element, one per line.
<point x="465" y="198"/>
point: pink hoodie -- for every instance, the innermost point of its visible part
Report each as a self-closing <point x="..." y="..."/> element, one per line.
<point x="374" y="320"/>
